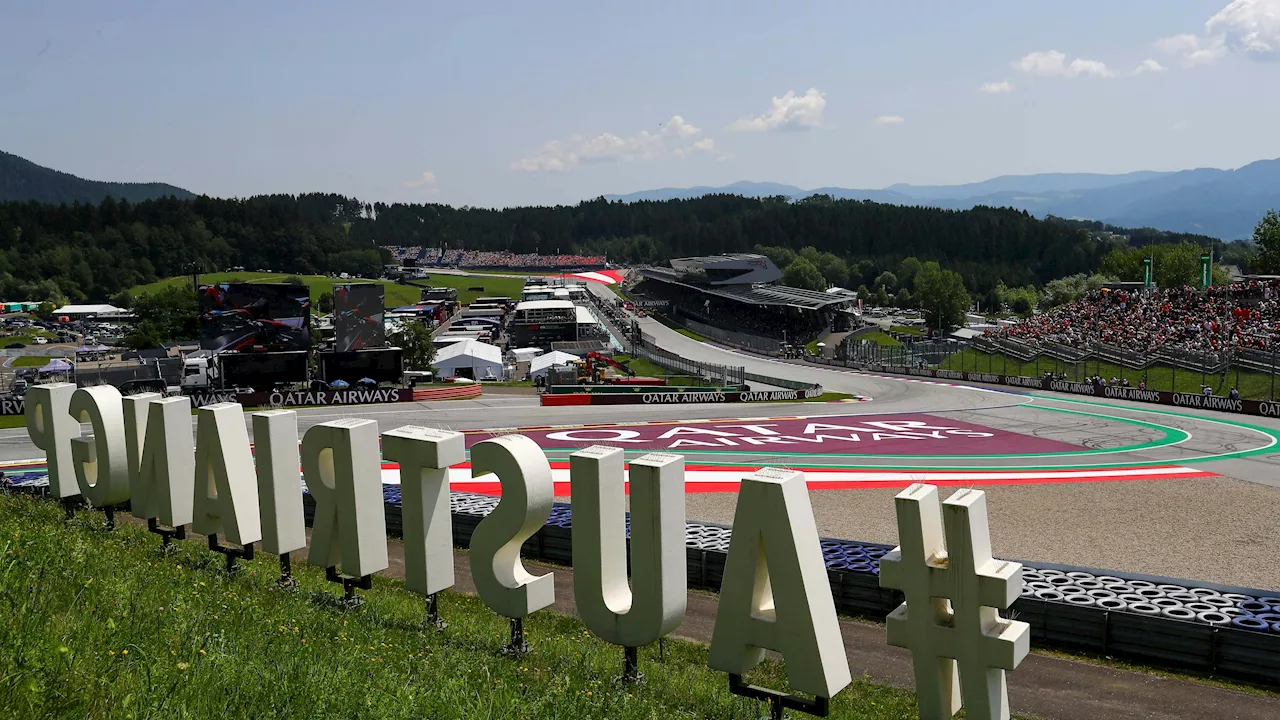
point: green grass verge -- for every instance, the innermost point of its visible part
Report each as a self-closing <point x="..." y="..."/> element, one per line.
<point x="879" y="338"/>
<point x="13" y="421"/>
<point x="907" y="330"/>
<point x="645" y="368"/>
<point x="33" y="360"/>
<point x="1252" y="385"/>
<point x="100" y="624"/>
<point x="396" y="295"/>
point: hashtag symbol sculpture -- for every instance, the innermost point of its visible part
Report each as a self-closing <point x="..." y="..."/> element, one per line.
<point x="960" y="646"/>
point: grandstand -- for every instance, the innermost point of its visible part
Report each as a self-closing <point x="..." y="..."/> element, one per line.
<point x="438" y="257"/>
<point x="736" y="293"/>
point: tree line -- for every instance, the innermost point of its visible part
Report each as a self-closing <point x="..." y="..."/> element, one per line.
<point x="85" y="252"/>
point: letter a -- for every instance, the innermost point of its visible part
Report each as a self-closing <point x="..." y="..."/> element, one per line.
<point x="101" y="462"/>
<point x="51" y="428"/>
<point x="161" y="458"/>
<point x="275" y="437"/>
<point x="343" y="473"/>
<point x="775" y="594"/>
<point x="226" y="501"/>
<point x="527" y="493"/>
<point x="654" y="604"/>
<point x="425" y="455"/>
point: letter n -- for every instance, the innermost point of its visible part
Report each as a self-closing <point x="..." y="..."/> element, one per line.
<point x="425" y="455"/>
<point x="161" y="458"/>
<point x="775" y="594"/>
<point x="226" y="493"/>
<point x="343" y="473"/>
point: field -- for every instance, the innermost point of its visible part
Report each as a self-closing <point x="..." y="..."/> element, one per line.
<point x="879" y="338"/>
<point x="1252" y="385"/>
<point x="101" y="624"/>
<point x="397" y="295"/>
<point x="31" y="361"/>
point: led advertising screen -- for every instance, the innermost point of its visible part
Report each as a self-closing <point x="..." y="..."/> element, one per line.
<point x="263" y="371"/>
<point x="357" y="316"/>
<point x="380" y="365"/>
<point x="255" y="317"/>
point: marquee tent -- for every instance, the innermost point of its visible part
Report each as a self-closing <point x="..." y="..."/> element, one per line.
<point x="469" y="358"/>
<point x="541" y="364"/>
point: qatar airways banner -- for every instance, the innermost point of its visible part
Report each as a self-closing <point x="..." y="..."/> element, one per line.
<point x="1266" y="408"/>
<point x="304" y="398"/>
<point x="865" y="434"/>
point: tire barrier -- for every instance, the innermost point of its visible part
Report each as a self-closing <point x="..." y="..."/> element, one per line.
<point x="1229" y="631"/>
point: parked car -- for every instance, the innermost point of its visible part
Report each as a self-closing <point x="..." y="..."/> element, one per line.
<point x="14" y="346"/>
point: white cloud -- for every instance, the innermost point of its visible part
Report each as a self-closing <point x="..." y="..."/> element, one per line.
<point x="996" y="88"/>
<point x="428" y="182"/>
<point x="789" y="112"/>
<point x="1251" y="27"/>
<point x="1149" y="66"/>
<point x="675" y="137"/>
<point x="1178" y="126"/>
<point x="889" y="120"/>
<point x="1051" y="63"/>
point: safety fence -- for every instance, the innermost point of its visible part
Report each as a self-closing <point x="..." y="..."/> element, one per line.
<point x="725" y="375"/>
<point x="746" y="341"/>
<point x="1230" y="631"/>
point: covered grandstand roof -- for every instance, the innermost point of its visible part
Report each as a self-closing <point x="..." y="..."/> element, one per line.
<point x="760" y="294"/>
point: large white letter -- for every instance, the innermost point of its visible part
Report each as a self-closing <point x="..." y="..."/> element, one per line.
<point x="275" y="437"/>
<point x="775" y="594"/>
<point x="226" y="501"/>
<point x="655" y="602"/>
<point x="425" y="455"/>
<point x="161" y="458"/>
<point x="527" y="494"/>
<point x="51" y="428"/>
<point x="341" y="466"/>
<point x="101" y="462"/>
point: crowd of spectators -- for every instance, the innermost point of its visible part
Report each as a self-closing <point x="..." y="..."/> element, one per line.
<point x="491" y="258"/>
<point x="1223" y="318"/>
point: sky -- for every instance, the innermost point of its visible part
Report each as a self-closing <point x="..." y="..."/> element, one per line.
<point x="516" y="103"/>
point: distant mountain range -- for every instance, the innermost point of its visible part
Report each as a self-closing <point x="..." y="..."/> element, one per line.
<point x="1220" y="203"/>
<point x="22" y="179"/>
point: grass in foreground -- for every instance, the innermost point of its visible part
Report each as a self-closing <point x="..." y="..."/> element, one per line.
<point x="880" y="338"/>
<point x="101" y="624"/>
<point x="396" y="295"/>
<point x="1252" y="385"/>
<point x="907" y="330"/>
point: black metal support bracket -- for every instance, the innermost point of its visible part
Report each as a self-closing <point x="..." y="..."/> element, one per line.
<point x="631" y="674"/>
<point x="109" y="512"/>
<point x="231" y="552"/>
<point x="287" y="580"/>
<point x="779" y="701"/>
<point x="433" y="613"/>
<point x="518" y="645"/>
<point x="350" y="597"/>
<point x="69" y="505"/>
<point x="167" y="534"/>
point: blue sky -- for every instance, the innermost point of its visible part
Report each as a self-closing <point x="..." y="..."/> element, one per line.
<point x="537" y="103"/>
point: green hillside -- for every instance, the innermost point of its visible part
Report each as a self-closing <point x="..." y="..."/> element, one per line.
<point x="396" y="295"/>
<point x="22" y="180"/>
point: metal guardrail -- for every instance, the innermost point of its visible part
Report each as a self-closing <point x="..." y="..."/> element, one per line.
<point x="754" y="343"/>
<point x="725" y="374"/>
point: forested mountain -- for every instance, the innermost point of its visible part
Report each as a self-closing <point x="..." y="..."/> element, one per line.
<point x="1224" y="204"/>
<point x="91" y="252"/>
<point x="24" y="180"/>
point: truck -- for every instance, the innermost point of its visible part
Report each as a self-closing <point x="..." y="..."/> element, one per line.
<point x="200" y="373"/>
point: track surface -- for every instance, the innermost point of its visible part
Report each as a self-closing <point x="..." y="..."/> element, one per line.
<point x="1201" y="501"/>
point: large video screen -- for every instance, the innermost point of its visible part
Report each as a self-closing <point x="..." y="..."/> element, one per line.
<point x="263" y="371"/>
<point x="381" y="365"/>
<point x="255" y="317"/>
<point x="357" y="316"/>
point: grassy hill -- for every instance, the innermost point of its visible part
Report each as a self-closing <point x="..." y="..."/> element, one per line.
<point x="396" y="295"/>
<point x="22" y="180"/>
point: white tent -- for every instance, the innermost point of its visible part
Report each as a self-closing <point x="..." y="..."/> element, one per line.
<point x="541" y="364"/>
<point x="526" y="354"/>
<point x="469" y="358"/>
